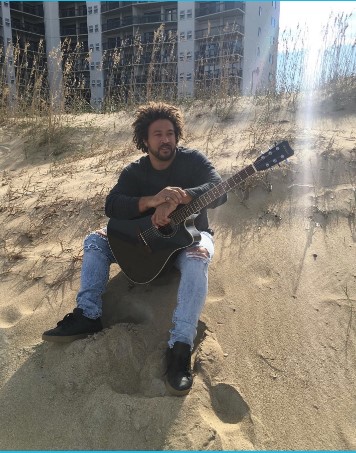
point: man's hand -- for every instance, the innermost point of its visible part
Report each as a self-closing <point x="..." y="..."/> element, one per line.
<point x="170" y="194"/>
<point x="160" y="217"/>
<point x="173" y="195"/>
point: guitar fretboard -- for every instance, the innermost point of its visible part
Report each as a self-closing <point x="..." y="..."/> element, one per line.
<point x="211" y="195"/>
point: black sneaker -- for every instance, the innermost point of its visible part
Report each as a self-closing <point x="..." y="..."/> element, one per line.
<point x="73" y="327"/>
<point x="179" y="379"/>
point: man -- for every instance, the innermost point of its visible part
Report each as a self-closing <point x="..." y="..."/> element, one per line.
<point x="155" y="185"/>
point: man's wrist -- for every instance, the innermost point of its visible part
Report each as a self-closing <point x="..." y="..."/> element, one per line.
<point x="145" y="203"/>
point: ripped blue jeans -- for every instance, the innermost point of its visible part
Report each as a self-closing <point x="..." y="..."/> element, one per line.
<point x="192" y="263"/>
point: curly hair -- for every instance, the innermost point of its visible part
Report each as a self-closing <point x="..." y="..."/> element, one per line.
<point x="153" y="111"/>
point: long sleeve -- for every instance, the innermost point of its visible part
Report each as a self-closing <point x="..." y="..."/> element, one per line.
<point x="122" y="200"/>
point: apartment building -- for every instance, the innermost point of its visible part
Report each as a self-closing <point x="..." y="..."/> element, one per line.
<point x="115" y="50"/>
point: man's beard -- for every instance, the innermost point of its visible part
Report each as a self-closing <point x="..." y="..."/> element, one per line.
<point x="163" y="157"/>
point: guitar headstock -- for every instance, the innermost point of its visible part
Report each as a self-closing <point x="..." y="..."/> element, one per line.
<point x="273" y="156"/>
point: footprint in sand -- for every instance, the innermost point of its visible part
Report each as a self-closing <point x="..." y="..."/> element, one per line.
<point x="10" y="315"/>
<point x="225" y="409"/>
<point x="228" y="404"/>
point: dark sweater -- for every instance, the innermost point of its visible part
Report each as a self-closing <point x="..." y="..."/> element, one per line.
<point x="190" y="170"/>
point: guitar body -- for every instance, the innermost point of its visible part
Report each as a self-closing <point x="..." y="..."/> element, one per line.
<point x="143" y="251"/>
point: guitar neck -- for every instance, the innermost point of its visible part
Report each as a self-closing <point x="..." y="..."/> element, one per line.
<point x="211" y="195"/>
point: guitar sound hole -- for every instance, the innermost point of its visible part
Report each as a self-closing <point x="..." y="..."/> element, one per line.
<point x="167" y="230"/>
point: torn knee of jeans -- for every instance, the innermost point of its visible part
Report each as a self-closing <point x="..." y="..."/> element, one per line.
<point x="92" y="241"/>
<point x="198" y="252"/>
<point x="101" y="233"/>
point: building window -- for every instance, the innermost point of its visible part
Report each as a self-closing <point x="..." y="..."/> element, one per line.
<point x="97" y="65"/>
<point x="8" y="41"/>
<point x="96" y="27"/>
<point x="189" y="14"/>
<point x="189" y="76"/>
<point x="181" y="56"/>
<point x="7" y="22"/>
<point x="9" y="60"/>
<point x="270" y="59"/>
<point x="6" y="3"/>
<point x="93" y="83"/>
<point x="189" y="34"/>
<point x="91" y="46"/>
<point x="182" y="36"/>
<point x="273" y="22"/>
<point x="259" y="31"/>
<point x="258" y="51"/>
<point x="95" y="9"/>
<point x="91" y="29"/>
<point x="274" y="5"/>
<point x="92" y="65"/>
<point x="90" y="10"/>
<point x="98" y="83"/>
<point x="189" y="56"/>
<point x="182" y="14"/>
<point x="270" y="76"/>
<point x="97" y="46"/>
<point x="260" y="11"/>
<point x="181" y="76"/>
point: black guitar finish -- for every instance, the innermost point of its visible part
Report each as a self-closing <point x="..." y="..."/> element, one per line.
<point x="142" y="251"/>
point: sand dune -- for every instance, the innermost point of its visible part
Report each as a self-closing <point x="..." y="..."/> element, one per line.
<point x="274" y="360"/>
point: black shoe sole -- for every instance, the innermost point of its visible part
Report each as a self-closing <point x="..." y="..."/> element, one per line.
<point x="176" y="392"/>
<point x="65" y="339"/>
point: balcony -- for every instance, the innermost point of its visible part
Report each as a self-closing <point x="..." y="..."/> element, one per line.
<point x="73" y="12"/>
<point x="109" y="6"/>
<point x="217" y="31"/>
<point x="138" y="20"/>
<point x="215" y="8"/>
<point x="27" y="27"/>
<point x="117" y="23"/>
<point x="74" y="31"/>
<point x="29" y="9"/>
<point x="155" y="18"/>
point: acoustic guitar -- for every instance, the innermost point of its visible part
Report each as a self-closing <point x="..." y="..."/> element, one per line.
<point x="143" y="251"/>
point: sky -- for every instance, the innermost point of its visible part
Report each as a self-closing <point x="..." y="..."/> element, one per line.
<point x="315" y="14"/>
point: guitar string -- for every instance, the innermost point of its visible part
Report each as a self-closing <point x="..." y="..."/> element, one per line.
<point x="202" y="201"/>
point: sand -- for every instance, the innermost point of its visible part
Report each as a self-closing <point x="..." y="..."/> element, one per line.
<point x="274" y="360"/>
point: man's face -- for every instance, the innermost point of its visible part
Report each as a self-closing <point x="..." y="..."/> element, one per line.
<point x="161" y="142"/>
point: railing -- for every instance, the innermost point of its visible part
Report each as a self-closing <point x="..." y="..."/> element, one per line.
<point x="155" y="18"/>
<point x="72" y="12"/>
<point x="108" y="6"/>
<point x="74" y="31"/>
<point x="220" y="30"/>
<point x="37" y="29"/>
<point x="113" y="24"/>
<point x="215" y="7"/>
<point x="35" y="10"/>
<point x="138" y="20"/>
